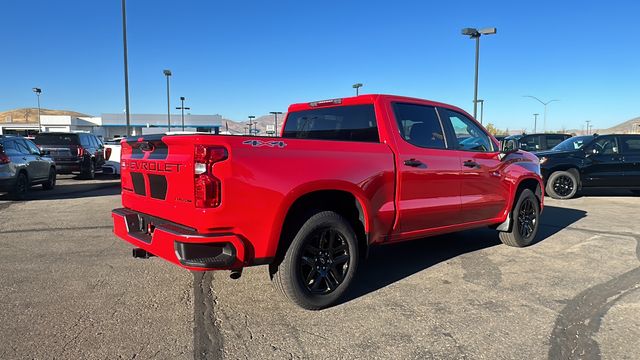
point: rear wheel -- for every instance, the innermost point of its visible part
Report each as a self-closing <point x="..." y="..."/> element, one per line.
<point x="526" y="220"/>
<point x="90" y="172"/>
<point x="22" y="187"/>
<point x="562" y="185"/>
<point x="320" y="263"/>
<point x="51" y="181"/>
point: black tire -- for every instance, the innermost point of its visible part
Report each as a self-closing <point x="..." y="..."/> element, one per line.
<point x="562" y="185"/>
<point x="51" y="181"/>
<point x="320" y="263"/>
<point x="526" y="221"/>
<point x="21" y="189"/>
<point x="90" y="173"/>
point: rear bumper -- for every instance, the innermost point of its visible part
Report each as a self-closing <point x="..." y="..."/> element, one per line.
<point x="179" y="244"/>
<point x="68" y="166"/>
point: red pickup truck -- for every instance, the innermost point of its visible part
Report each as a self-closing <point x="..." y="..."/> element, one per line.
<point x="345" y="175"/>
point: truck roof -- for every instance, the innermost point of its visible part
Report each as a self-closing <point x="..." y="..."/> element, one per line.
<point x="366" y="99"/>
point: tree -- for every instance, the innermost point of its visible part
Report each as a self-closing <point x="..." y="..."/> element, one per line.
<point x="493" y="130"/>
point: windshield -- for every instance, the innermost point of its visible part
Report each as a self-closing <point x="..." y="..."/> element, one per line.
<point x="574" y="143"/>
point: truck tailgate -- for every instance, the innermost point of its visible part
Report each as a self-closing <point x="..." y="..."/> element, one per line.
<point x="157" y="175"/>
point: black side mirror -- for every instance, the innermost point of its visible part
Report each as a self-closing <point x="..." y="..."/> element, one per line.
<point x="509" y="146"/>
<point x="45" y="152"/>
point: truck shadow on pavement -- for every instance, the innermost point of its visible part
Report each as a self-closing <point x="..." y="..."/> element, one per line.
<point x="391" y="263"/>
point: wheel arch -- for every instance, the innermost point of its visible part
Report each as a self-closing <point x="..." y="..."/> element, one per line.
<point x="349" y="204"/>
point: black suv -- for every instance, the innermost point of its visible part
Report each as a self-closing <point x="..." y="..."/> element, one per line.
<point x="73" y="152"/>
<point x="605" y="161"/>
<point x="537" y="142"/>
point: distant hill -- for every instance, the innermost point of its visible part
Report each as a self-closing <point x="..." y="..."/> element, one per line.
<point x="30" y="115"/>
<point x="260" y="123"/>
<point x="629" y="126"/>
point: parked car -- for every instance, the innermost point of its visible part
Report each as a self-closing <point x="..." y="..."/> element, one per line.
<point x="22" y="165"/>
<point x="592" y="161"/>
<point x="347" y="174"/>
<point x="112" y="150"/>
<point x="81" y="153"/>
<point x="536" y="142"/>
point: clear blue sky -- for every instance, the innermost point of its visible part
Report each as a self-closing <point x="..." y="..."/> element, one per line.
<point x="238" y="58"/>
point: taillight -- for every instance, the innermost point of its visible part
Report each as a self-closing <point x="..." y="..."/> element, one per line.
<point x="207" y="187"/>
<point x="80" y="151"/>
<point x="107" y="153"/>
<point x="4" y="159"/>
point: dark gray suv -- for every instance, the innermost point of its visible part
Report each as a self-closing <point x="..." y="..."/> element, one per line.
<point x="22" y="165"/>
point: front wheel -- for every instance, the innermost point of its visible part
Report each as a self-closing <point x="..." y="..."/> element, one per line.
<point x="320" y="263"/>
<point x="562" y="185"/>
<point x="526" y="220"/>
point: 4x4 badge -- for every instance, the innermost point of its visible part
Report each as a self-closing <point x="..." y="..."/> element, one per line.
<point x="260" y="143"/>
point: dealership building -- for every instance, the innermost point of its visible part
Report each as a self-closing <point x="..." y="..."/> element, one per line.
<point x="109" y="126"/>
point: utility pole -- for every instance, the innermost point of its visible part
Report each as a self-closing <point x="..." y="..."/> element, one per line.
<point x="481" y="110"/>
<point x="167" y="73"/>
<point x="126" y="67"/>
<point x="275" y="118"/>
<point x="182" y="109"/>
<point x="38" y="91"/>
<point x="357" y="86"/>
<point x="544" y="126"/>
<point x="251" y="117"/>
<point x="535" y="123"/>
<point x="588" y="121"/>
<point x="475" y="34"/>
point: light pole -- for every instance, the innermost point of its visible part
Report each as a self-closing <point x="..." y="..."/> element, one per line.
<point x="182" y="109"/>
<point x="38" y="91"/>
<point x="475" y="34"/>
<point x="251" y="117"/>
<point x="357" y="86"/>
<point x="544" y="122"/>
<point x="535" y="122"/>
<point x="167" y="73"/>
<point x="126" y="66"/>
<point x="481" y="110"/>
<point x="275" y="118"/>
<point x="588" y="121"/>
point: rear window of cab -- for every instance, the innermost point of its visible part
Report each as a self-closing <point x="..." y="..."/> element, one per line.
<point x="342" y="123"/>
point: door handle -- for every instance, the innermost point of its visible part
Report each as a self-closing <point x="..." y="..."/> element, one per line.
<point x="471" y="164"/>
<point x="413" y="162"/>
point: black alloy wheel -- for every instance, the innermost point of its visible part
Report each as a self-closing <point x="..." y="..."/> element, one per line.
<point x="527" y="219"/>
<point x="563" y="185"/>
<point x="325" y="261"/>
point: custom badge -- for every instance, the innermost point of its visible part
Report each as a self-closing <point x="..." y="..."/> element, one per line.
<point x="268" y="143"/>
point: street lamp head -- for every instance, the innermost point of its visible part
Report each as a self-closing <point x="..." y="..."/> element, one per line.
<point x="182" y="98"/>
<point x="488" y="31"/>
<point x="37" y="90"/>
<point x="251" y="117"/>
<point x="472" y="32"/>
<point x="275" y="112"/>
<point x="166" y="72"/>
<point x="356" y="86"/>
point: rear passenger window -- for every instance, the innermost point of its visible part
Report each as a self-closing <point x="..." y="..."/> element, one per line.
<point x="10" y="147"/>
<point x="419" y="125"/>
<point x="84" y="140"/>
<point x="630" y="145"/>
<point x="346" y="123"/>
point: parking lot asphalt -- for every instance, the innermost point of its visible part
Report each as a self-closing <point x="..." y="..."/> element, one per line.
<point x="70" y="289"/>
